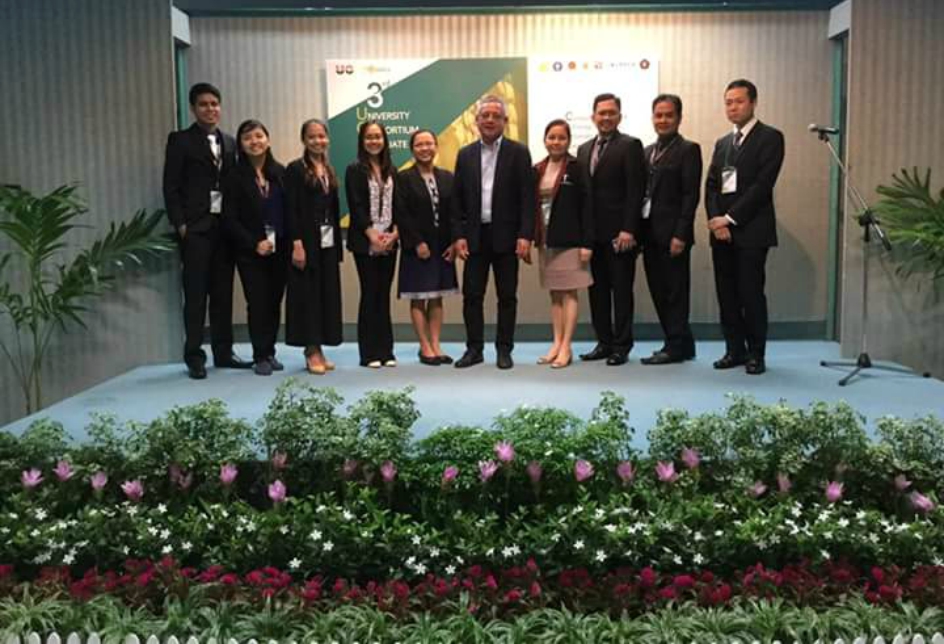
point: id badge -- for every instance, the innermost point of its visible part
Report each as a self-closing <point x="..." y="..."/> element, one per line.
<point x="729" y="180"/>
<point x="327" y="236"/>
<point x="646" y="208"/>
<point x="270" y="236"/>
<point x="216" y="202"/>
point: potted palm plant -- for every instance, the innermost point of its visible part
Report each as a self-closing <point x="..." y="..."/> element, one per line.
<point x="914" y="219"/>
<point x="54" y="291"/>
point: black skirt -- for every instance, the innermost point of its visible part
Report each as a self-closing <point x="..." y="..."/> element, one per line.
<point x="313" y="302"/>
<point x="425" y="279"/>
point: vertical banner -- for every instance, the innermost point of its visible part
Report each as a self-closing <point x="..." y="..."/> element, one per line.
<point x="565" y="88"/>
<point x="405" y="95"/>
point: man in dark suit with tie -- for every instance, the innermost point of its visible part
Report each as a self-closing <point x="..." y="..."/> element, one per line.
<point x="493" y="226"/>
<point x="739" y="198"/>
<point x="196" y="161"/>
<point x="617" y="180"/>
<point x="668" y="216"/>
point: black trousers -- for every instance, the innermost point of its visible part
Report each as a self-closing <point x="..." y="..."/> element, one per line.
<point x="263" y="281"/>
<point x="739" y="281"/>
<point x="611" y="296"/>
<point x="504" y="265"/>
<point x="374" y="324"/>
<point x="670" y="284"/>
<point x="207" y="272"/>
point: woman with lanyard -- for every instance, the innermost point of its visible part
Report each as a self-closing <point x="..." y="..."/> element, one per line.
<point x="254" y="217"/>
<point x="564" y="237"/>
<point x="372" y="238"/>
<point x="426" y="270"/>
<point x="313" y="308"/>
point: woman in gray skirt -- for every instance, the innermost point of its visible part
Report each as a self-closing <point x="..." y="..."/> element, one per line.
<point x="564" y="237"/>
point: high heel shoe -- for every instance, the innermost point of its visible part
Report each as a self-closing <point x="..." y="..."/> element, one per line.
<point x="316" y="368"/>
<point x="329" y="365"/>
<point x="557" y="364"/>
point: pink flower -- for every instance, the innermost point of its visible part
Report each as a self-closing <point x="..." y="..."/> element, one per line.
<point x="487" y="470"/>
<point x="279" y="460"/>
<point x="535" y="472"/>
<point x="174" y="473"/>
<point x="833" y="491"/>
<point x="449" y="474"/>
<point x="228" y="474"/>
<point x="505" y="452"/>
<point x="691" y="458"/>
<point x="134" y="490"/>
<point x="784" y="484"/>
<point x="185" y="480"/>
<point x="626" y="472"/>
<point x="31" y="478"/>
<point x="666" y="472"/>
<point x="757" y="490"/>
<point x="920" y="502"/>
<point x="277" y="492"/>
<point x="349" y="468"/>
<point x="63" y="471"/>
<point x="583" y="470"/>
<point x="99" y="480"/>
<point x="901" y="483"/>
<point x="388" y="471"/>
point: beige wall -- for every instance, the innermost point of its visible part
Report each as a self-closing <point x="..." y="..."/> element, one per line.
<point x="896" y="90"/>
<point x="88" y="91"/>
<point x="273" y="69"/>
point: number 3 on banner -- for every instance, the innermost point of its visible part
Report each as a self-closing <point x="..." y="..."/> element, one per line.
<point x="376" y="99"/>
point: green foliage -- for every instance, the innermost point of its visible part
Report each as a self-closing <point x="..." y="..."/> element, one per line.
<point x="914" y="219"/>
<point x="303" y="420"/>
<point x="56" y="293"/>
<point x="384" y="420"/>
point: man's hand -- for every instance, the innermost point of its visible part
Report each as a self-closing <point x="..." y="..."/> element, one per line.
<point x="298" y="255"/>
<point x="676" y="247"/>
<point x="586" y="255"/>
<point x="450" y="254"/>
<point x="422" y="250"/>
<point x="624" y="241"/>
<point x="462" y="249"/>
<point x="718" y="222"/>
<point x="722" y="234"/>
<point x="264" y="248"/>
<point x="523" y="250"/>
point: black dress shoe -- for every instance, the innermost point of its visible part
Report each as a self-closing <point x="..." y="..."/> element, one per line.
<point x="196" y="370"/>
<point x="468" y="359"/>
<point x="662" y="357"/>
<point x="504" y="360"/>
<point x="276" y="365"/>
<point x="431" y="361"/>
<point x="231" y="362"/>
<point x="444" y="359"/>
<point x="617" y="359"/>
<point x="728" y="361"/>
<point x="755" y="366"/>
<point x="599" y="352"/>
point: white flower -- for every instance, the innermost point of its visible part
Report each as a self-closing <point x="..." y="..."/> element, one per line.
<point x="434" y="552"/>
<point x="600" y="513"/>
<point x="315" y="535"/>
<point x="224" y="514"/>
<point x="416" y="540"/>
<point x="796" y="511"/>
<point x="40" y="514"/>
<point x="186" y="546"/>
<point x="578" y="545"/>
<point x="165" y="535"/>
<point x="328" y="546"/>
<point x="166" y="550"/>
<point x="126" y="550"/>
<point x="250" y="526"/>
<point x="828" y="535"/>
<point x="69" y="559"/>
<point x="555" y="537"/>
<point x="718" y="533"/>
<point x="347" y="515"/>
<point x="490" y="552"/>
<point x="152" y="531"/>
<point x="320" y="509"/>
<point x="677" y="560"/>
<point x="42" y="558"/>
<point x="420" y="569"/>
<point x="699" y="536"/>
<point x="460" y="560"/>
<point x="210" y="526"/>
<point x="34" y="532"/>
<point x="410" y="561"/>
<point x="600" y="556"/>
<point x="365" y="534"/>
<point x="295" y="563"/>
<point x="132" y="510"/>
<point x="824" y="554"/>
<point x="283" y="529"/>
<point x="698" y="559"/>
<point x="873" y="537"/>
<point x="450" y="570"/>
<point x="609" y="527"/>
<point x="507" y="552"/>
<point x="161" y="508"/>
<point x="860" y="515"/>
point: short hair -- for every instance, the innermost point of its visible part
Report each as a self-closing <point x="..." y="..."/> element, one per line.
<point x="668" y="98"/>
<point x="204" y="88"/>
<point x="423" y="131"/>
<point x="555" y="123"/>
<point x="746" y="84"/>
<point x="491" y="98"/>
<point x="599" y="98"/>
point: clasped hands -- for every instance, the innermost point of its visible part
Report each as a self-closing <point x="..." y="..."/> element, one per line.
<point x="720" y="228"/>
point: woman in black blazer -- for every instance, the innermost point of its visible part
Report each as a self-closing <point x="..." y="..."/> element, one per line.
<point x="369" y="184"/>
<point x="564" y="236"/>
<point x="427" y="273"/>
<point x="313" y="305"/>
<point x="254" y="218"/>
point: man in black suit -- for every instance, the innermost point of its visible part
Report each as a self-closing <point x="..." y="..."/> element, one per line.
<point x="617" y="180"/>
<point x="493" y="226"/>
<point x="739" y="197"/>
<point x="668" y="217"/>
<point x="195" y="164"/>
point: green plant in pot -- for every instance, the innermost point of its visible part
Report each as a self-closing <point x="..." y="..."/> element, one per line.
<point x="914" y="219"/>
<point x="55" y="290"/>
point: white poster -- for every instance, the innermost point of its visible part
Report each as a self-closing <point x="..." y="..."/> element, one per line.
<point x="564" y="88"/>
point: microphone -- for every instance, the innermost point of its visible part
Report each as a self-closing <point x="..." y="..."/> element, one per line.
<point x="822" y="129"/>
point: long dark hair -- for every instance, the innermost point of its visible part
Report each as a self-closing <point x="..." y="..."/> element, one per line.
<point x="363" y="157"/>
<point x="270" y="164"/>
<point x="309" y="160"/>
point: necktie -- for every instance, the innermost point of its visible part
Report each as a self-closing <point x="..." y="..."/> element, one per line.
<point x="214" y="148"/>
<point x="597" y="153"/>
<point x="738" y="136"/>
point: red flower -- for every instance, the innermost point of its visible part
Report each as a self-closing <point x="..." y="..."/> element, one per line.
<point x="535" y="590"/>
<point x="683" y="581"/>
<point x="513" y="596"/>
<point x="490" y="582"/>
<point x="668" y="593"/>
<point x="229" y="579"/>
<point x="647" y="577"/>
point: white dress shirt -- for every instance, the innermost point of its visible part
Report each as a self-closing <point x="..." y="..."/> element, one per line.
<point x="489" y="162"/>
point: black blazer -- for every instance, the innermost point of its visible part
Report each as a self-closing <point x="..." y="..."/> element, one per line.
<point x="243" y="214"/>
<point x="617" y="187"/>
<point x="413" y="209"/>
<point x="308" y="208"/>
<point x="674" y="192"/>
<point x="758" y="164"/>
<point x="358" y="202"/>
<point x="190" y="174"/>
<point x="512" y="197"/>
<point x="571" y="222"/>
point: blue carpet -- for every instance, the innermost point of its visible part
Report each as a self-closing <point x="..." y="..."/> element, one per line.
<point x="474" y="396"/>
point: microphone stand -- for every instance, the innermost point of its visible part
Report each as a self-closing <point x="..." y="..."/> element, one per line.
<point x="870" y="226"/>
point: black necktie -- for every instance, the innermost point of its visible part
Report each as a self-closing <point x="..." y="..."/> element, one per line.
<point x="597" y="153"/>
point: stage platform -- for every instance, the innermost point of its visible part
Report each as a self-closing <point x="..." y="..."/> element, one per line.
<point x="474" y="396"/>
